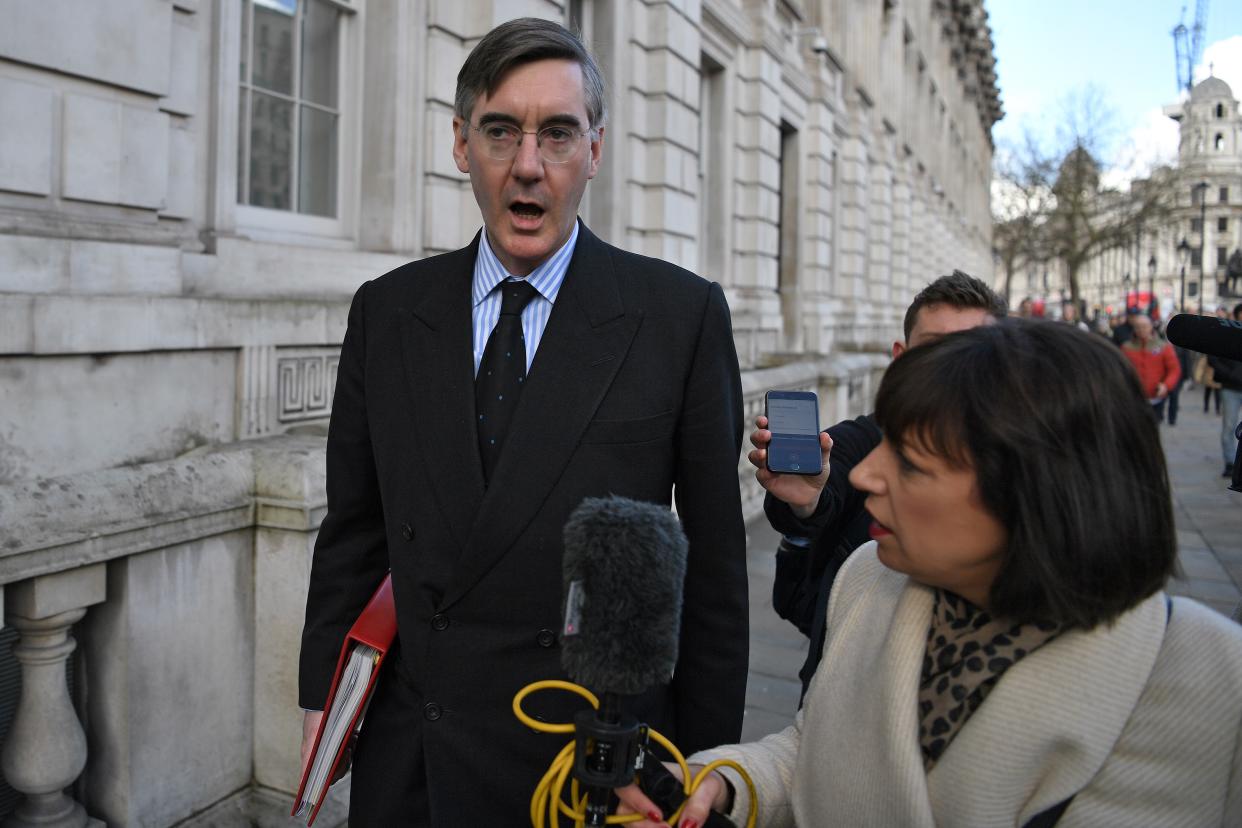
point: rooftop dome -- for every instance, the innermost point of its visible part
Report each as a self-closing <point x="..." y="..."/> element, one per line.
<point x="1213" y="87"/>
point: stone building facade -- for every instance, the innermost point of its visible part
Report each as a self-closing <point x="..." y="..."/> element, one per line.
<point x="190" y="192"/>
<point x="1206" y="231"/>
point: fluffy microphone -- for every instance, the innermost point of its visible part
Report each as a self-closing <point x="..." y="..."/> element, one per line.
<point x="623" y="569"/>
<point x="1206" y="334"/>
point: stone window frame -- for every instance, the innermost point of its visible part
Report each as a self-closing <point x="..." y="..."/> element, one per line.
<point x="286" y="226"/>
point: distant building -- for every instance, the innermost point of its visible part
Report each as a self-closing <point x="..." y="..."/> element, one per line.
<point x="191" y="191"/>
<point x="1208" y="228"/>
<point x="1192" y="249"/>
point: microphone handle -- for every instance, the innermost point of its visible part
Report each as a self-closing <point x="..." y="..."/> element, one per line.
<point x="598" y="798"/>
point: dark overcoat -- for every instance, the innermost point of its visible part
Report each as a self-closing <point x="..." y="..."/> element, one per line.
<point x="634" y="391"/>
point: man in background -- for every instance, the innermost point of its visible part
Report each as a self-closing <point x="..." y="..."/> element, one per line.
<point x="1154" y="360"/>
<point x="822" y="518"/>
<point x="1228" y="372"/>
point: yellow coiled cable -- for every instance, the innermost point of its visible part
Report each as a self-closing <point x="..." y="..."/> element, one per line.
<point x="548" y="798"/>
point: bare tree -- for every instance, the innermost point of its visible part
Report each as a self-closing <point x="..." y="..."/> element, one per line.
<point x="1062" y="206"/>
<point x="1021" y="201"/>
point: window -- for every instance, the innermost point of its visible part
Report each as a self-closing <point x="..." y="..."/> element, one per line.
<point x="1222" y="256"/>
<point x="1220" y="110"/>
<point x="1196" y="225"/>
<point x="1222" y="225"/>
<point x="713" y="168"/>
<point x="1218" y="143"/>
<point x="1224" y="195"/>
<point x="1195" y="194"/>
<point x="1195" y="258"/>
<point x="289" y="106"/>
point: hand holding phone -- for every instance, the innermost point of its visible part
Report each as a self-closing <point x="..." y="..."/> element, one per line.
<point x="793" y="420"/>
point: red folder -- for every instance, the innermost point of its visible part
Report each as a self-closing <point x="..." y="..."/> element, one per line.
<point x="376" y="627"/>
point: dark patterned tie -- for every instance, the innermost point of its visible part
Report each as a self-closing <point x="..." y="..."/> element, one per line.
<point x="502" y="372"/>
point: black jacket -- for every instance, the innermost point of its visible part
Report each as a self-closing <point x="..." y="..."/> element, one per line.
<point x="839" y="525"/>
<point x="1228" y="372"/>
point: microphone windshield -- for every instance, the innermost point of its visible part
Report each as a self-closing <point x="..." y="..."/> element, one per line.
<point x="622" y="576"/>
<point x="1206" y="334"/>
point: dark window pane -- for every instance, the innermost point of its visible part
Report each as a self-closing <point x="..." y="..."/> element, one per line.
<point x="1194" y="257"/>
<point x="243" y="107"/>
<point x="319" y="53"/>
<point x="317" y="162"/>
<point x="1221" y="257"/>
<point x="1222" y="225"/>
<point x="271" y="152"/>
<point x="273" y="44"/>
<point x="1224" y="195"/>
<point x="245" y="40"/>
<point x="1195" y="225"/>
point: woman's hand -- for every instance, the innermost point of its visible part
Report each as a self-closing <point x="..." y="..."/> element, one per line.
<point x="713" y="794"/>
<point x="800" y="491"/>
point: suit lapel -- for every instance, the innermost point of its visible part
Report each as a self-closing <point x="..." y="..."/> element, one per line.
<point x="437" y="351"/>
<point x="583" y="346"/>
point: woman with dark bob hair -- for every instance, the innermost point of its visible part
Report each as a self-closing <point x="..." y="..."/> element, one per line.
<point x="1003" y="653"/>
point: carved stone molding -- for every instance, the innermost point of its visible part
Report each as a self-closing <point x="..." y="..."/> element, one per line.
<point x="279" y="387"/>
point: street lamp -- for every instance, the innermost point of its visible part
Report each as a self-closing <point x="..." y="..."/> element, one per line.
<point x="1201" y="189"/>
<point x="1183" y="253"/>
<point x="1151" y="272"/>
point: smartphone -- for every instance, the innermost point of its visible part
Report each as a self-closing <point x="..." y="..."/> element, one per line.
<point x="793" y="419"/>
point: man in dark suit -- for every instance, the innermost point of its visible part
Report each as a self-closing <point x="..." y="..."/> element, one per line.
<point x="456" y="465"/>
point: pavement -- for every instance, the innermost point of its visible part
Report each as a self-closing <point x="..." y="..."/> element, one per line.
<point x="1209" y="538"/>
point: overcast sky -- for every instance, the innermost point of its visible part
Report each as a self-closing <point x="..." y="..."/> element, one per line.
<point x="1049" y="50"/>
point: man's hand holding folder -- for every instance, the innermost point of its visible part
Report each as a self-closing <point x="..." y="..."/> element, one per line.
<point x="310" y="730"/>
<point x="328" y="740"/>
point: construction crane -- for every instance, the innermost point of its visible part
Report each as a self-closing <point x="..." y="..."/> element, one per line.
<point x="1188" y="45"/>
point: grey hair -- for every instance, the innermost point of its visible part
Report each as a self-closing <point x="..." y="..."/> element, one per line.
<point x="520" y="41"/>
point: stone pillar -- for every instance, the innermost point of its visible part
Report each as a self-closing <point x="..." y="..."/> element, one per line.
<point x="852" y="204"/>
<point x="46" y="748"/>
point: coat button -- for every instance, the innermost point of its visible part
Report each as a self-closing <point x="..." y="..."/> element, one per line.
<point x="407" y="531"/>
<point x="432" y="712"/>
<point x="439" y="621"/>
<point x="545" y="638"/>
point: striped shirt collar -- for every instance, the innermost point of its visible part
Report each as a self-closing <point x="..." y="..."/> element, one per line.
<point x="547" y="278"/>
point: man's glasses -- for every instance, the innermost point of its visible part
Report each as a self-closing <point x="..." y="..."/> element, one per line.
<point x="557" y="144"/>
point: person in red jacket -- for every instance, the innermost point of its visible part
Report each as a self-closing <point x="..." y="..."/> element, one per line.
<point x="1155" y="362"/>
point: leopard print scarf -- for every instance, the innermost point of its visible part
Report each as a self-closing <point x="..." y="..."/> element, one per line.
<point x="967" y="652"/>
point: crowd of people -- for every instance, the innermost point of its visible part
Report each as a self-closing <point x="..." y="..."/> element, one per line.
<point x="1166" y="369"/>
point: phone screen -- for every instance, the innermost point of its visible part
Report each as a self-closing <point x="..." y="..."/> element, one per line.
<point x="793" y="419"/>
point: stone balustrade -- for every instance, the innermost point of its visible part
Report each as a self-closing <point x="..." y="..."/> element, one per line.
<point x="184" y="583"/>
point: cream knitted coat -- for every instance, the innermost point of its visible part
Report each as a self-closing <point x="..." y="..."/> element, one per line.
<point x="1139" y="722"/>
